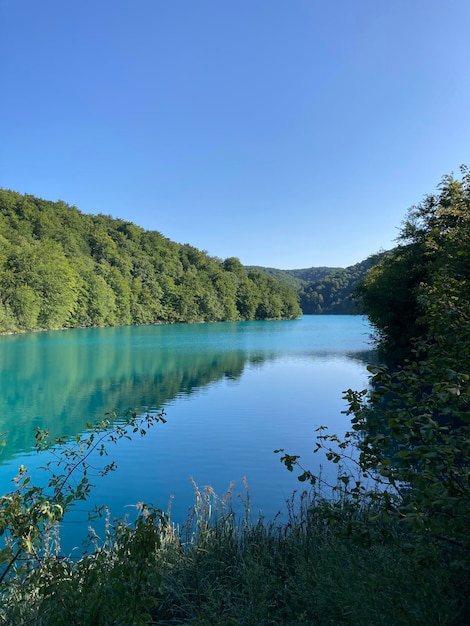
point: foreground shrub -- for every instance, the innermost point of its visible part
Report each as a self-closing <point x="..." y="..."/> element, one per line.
<point x="342" y="560"/>
<point x="318" y="566"/>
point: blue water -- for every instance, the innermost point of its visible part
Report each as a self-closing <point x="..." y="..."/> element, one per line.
<point x="232" y="393"/>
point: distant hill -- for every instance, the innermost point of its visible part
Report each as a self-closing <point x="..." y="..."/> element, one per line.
<point x="296" y="279"/>
<point x="324" y="290"/>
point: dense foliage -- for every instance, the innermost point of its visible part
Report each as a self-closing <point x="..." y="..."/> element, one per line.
<point x="412" y="427"/>
<point x="421" y="288"/>
<point x="61" y="268"/>
<point x="325" y="290"/>
<point x="424" y="403"/>
<point x="323" y="565"/>
<point x="332" y="293"/>
<point x="295" y="278"/>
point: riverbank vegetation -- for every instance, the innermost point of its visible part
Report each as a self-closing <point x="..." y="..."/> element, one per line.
<point x="387" y="544"/>
<point x="60" y="268"/>
<point x="331" y="561"/>
<point x="412" y="427"/>
<point x="223" y="569"/>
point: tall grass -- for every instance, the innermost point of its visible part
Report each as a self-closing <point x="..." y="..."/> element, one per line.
<point x="324" y="565"/>
<point x="314" y="568"/>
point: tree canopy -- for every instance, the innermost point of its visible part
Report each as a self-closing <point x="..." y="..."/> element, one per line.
<point x="410" y="430"/>
<point x="60" y="268"/>
<point x="325" y="290"/>
<point x="420" y="289"/>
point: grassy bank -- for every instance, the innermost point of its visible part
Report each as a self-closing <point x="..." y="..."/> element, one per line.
<point x="330" y="563"/>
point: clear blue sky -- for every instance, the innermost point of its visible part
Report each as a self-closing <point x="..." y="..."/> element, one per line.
<point x="288" y="133"/>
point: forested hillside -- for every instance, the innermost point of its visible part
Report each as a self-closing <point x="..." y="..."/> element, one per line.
<point x="296" y="279"/>
<point x="60" y="268"/>
<point x="332" y="293"/>
<point x="325" y="290"/>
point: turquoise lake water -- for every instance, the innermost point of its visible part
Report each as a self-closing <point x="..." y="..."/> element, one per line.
<point x="232" y="393"/>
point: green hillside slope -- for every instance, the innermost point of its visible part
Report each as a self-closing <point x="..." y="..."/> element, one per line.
<point x="60" y="268"/>
<point x="325" y="290"/>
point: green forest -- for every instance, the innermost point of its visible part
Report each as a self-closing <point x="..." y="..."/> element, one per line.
<point x="325" y="290"/>
<point x="60" y="268"/>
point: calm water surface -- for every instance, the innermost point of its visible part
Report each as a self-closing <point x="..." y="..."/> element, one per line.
<point x="232" y="392"/>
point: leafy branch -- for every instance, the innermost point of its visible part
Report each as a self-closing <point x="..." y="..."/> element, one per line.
<point x="28" y="514"/>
